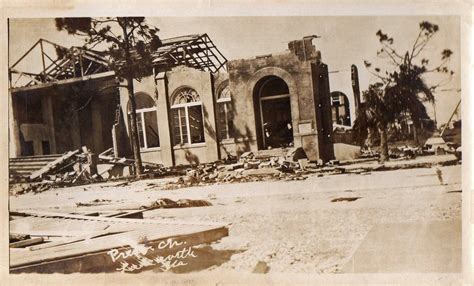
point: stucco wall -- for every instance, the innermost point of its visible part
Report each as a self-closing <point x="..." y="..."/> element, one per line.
<point x="244" y="75"/>
<point x="162" y="87"/>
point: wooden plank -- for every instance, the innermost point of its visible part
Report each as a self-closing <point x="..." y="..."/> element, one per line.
<point x="50" y="166"/>
<point x="50" y="226"/>
<point x="57" y="233"/>
<point x="104" y="243"/>
<point x="26" y="242"/>
<point x="70" y="240"/>
<point x="100" y="261"/>
<point x="132" y="214"/>
<point x="117" y="220"/>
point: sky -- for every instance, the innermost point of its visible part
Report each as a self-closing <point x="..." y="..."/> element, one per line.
<point x="345" y="40"/>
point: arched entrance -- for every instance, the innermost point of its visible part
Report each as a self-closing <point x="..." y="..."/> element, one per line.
<point x="273" y="113"/>
<point x="340" y="111"/>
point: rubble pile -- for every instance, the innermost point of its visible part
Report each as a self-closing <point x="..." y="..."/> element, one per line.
<point x="404" y="152"/>
<point x="249" y="167"/>
<point x="165" y="203"/>
<point x="77" y="168"/>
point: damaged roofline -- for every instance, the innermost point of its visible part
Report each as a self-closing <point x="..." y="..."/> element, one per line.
<point x="64" y="81"/>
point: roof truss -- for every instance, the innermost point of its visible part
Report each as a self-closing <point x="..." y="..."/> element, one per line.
<point x="196" y="51"/>
<point x="75" y="63"/>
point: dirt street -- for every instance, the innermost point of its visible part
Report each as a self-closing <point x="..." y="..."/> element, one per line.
<point x="308" y="226"/>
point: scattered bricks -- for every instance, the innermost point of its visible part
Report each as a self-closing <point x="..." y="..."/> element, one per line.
<point x="192" y="173"/>
<point x="209" y="169"/>
<point x="261" y="172"/>
<point x="213" y="176"/>
<point x="234" y="166"/>
<point x="252" y="164"/>
<point x="221" y="167"/>
<point x="296" y="153"/>
<point x="274" y="162"/>
<point x="286" y="168"/>
<point x="333" y="162"/>
<point x="264" y="165"/>
<point x="246" y="155"/>
<point x="221" y="175"/>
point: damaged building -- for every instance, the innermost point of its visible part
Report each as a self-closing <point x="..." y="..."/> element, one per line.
<point x="65" y="106"/>
<point x="197" y="107"/>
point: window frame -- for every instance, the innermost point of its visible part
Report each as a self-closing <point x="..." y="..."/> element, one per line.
<point x="141" y="113"/>
<point x="186" y="106"/>
<point x="225" y="101"/>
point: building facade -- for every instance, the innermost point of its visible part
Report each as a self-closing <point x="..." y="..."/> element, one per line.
<point x="190" y="110"/>
<point x="189" y="116"/>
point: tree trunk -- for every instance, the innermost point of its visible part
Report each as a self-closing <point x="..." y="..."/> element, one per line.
<point x="134" y="129"/>
<point x="416" y="136"/>
<point x="383" y="143"/>
<point x="131" y="96"/>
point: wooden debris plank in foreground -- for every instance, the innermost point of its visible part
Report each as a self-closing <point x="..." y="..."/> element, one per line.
<point x="26" y="242"/>
<point x="88" y="251"/>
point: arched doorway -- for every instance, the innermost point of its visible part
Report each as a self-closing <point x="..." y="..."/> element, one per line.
<point x="340" y="111"/>
<point x="273" y="113"/>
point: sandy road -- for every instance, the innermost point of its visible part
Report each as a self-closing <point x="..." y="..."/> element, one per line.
<point x="290" y="226"/>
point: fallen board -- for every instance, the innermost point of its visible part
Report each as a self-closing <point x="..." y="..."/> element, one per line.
<point x="52" y="165"/>
<point x="70" y="256"/>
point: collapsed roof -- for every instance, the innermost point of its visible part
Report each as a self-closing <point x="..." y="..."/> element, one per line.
<point x="60" y="63"/>
<point x="57" y="63"/>
<point x="196" y="51"/>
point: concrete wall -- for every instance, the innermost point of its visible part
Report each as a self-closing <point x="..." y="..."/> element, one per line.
<point x="162" y="87"/>
<point x="245" y="74"/>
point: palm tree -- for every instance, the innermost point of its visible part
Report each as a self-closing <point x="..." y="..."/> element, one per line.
<point x="401" y="91"/>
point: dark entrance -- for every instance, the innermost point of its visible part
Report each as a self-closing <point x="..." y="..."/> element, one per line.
<point x="273" y="113"/>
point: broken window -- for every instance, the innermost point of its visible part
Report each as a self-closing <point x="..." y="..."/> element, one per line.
<point x="147" y="121"/>
<point x="187" y="117"/>
<point x="225" y="124"/>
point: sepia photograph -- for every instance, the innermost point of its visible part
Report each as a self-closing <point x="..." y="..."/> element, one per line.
<point x="243" y="144"/>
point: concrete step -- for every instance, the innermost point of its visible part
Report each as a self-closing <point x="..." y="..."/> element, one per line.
<point x="36" y="158"/>
<point x="24" y="166"/>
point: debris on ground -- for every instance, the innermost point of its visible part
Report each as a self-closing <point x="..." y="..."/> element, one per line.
<point x="165" y="203"/>
<point x="78" y="167"/>
<point x="249" y="167"/>
<point x="96" y="202"/>
<point x="345" y="199"/>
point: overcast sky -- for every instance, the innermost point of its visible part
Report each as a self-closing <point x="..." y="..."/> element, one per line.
<point x="344" y="41"/>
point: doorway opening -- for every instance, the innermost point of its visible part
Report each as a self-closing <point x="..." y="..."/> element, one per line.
<point x="273" y="113"/>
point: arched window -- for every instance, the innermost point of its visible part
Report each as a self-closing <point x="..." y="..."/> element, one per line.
<point x="187" y="116"/>
<point x="225" y="124"/>
<point x="340" y="109"/>
<point x="147" y="121"/>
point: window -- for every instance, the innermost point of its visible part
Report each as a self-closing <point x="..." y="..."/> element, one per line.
<point x="187" y="117"/>
<point x="147" y="121"/>
<point x="225" y="124"/>
<point x="340" y="109"/>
